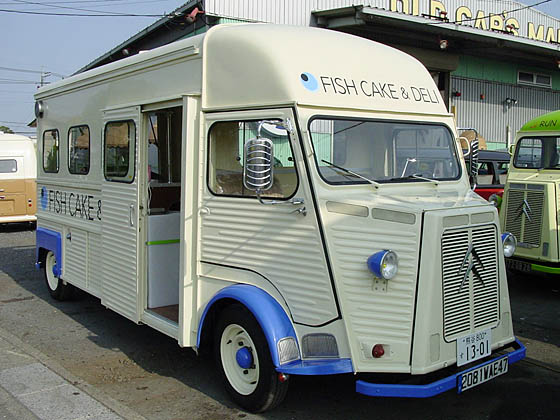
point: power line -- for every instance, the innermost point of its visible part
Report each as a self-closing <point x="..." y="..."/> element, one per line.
<point x="12" y="122"/>
<point x="21" y="70"/>
<point x="22" y="82"/>
<point x="83" y="14"/>
<point x="63" y="7"/>
<point x="41" y="72"/>
<point x="111" y="2"/>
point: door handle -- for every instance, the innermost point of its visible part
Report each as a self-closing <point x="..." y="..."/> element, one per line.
<point x="132" y="215"/>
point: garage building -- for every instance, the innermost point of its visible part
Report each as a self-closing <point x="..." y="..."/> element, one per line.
<point x="497" y="63"/>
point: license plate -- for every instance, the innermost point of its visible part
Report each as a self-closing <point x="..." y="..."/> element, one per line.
<point x="473" y="347"/>
<point x="482" y="374"/>
<point x="518" y="265"/>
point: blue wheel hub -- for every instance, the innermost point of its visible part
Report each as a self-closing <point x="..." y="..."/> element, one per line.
<point x="244" y="358"/>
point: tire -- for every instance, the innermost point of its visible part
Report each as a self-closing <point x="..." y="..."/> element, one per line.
<point x="58" y="288"/>
<point x="255" y="386"/>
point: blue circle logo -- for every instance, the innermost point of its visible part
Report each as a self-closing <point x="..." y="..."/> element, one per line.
<point x="308" y="81"/>
<point x="44" y="198"/>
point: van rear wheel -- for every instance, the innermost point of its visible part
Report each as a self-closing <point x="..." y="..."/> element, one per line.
<point x="242" y="353"/>
<point x="58" y="288"/>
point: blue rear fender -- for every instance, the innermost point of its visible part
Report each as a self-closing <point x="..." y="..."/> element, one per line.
<point x="273" y="319"/>
<point x="48" y="240"/>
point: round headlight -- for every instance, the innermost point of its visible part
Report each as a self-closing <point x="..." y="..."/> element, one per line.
<point x="384" y="264"/>
<point x="510" y="243"/>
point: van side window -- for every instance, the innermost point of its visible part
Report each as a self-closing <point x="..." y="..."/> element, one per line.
<point x="120" y="139"/>
<point x="225" y="173"/>
<point x="50" y="151"/>
<point x="8" y="166"/>
<point x="78" y="150"/>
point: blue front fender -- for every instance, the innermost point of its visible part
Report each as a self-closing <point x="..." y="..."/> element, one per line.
<point x="272" y="318"/>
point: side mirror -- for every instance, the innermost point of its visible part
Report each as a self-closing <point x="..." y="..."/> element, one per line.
<point x="511" y="149"/>
<point x="258" y="164"/>
<point x="474" y="161"/>
<point x="464" y="142"/>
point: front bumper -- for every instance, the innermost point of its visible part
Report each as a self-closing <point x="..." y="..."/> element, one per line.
<point x="434" y="388"/>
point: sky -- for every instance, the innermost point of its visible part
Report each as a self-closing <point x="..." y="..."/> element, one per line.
<point x="60" y="44"/>
<point x="63" y="44"/>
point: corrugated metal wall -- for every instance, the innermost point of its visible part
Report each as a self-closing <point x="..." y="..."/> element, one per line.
<point x="491" y="115"/>
<point x="298" y="12"/>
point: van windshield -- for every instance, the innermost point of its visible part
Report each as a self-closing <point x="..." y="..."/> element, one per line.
<point x="382" y="151"/>
<point x="537" y="152"/>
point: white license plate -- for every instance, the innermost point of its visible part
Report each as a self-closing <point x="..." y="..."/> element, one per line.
<point x="473" y="347"/>
<point x="482" y="374"/>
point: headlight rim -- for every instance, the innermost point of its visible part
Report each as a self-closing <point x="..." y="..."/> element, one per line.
<point x="506" y="236"/>
<point x="375" y="263"/>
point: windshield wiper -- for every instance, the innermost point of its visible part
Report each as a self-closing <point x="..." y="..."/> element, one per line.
<point x="414" y="176"/>
<point x="348" y="171"/>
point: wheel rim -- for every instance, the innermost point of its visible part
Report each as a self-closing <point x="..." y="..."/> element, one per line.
<point x="50" y="262"/>
<point x="237" y="349"/>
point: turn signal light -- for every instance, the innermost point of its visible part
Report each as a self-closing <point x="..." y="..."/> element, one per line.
<point x="282" y="377"/>
<point x="378" y="351"/>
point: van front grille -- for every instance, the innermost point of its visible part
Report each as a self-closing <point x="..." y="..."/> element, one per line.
<point x="470" y="279"/>
<point x="525" y="205"/>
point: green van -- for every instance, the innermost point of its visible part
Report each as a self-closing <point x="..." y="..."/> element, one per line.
<point x="531" y="196"/>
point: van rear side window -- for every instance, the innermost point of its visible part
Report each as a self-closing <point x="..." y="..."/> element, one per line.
<point x="119" y="151"/>
<point x="50" y="151"/>
<point x="8" y="166"/>
<point x="78" y="150"/>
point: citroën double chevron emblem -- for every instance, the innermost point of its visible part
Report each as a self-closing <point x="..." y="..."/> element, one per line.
<point x="471" y="258"/>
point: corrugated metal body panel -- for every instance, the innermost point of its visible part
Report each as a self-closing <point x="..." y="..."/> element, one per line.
<point x="474" y="112"/>
<point x="95" y="280"/>
<point x="119" y="220"/>
<point x="275" y="242"/>
<point x="119" y="262"/>
<point x="75" y="257"/>
<point x="376" y="311"/>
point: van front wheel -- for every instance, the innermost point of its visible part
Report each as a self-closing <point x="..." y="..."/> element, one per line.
<point x="245" y="364"/>
<point x="58" y="288"/>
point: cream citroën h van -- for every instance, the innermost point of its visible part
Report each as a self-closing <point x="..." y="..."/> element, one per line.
<point x="295" y="197"/>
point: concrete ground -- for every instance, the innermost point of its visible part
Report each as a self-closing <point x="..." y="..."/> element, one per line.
<point x="70" y="359"/>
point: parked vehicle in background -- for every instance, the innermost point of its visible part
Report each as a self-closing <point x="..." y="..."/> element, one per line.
<point x="303" y="213"/>
<point x="530" y="208"/>
<point x="18" y="173"/>
<point x="492" y="173"/>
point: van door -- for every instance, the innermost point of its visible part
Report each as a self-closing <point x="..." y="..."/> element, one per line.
<point x="120" y="218"/>
<point x="278" y="241"/>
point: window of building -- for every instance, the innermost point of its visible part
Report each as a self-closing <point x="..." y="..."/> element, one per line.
<point x="119" y="151"/>
<point x="50" y="151"/>
<point x="8" y="166"/>
<point x="78" y="150"/>
<point x="225" y="175"/>
<point x="528" y="78"/>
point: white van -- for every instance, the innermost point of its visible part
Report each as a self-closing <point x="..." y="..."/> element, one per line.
<point x="18" y="171"/>
<point x="294" y="197"/>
